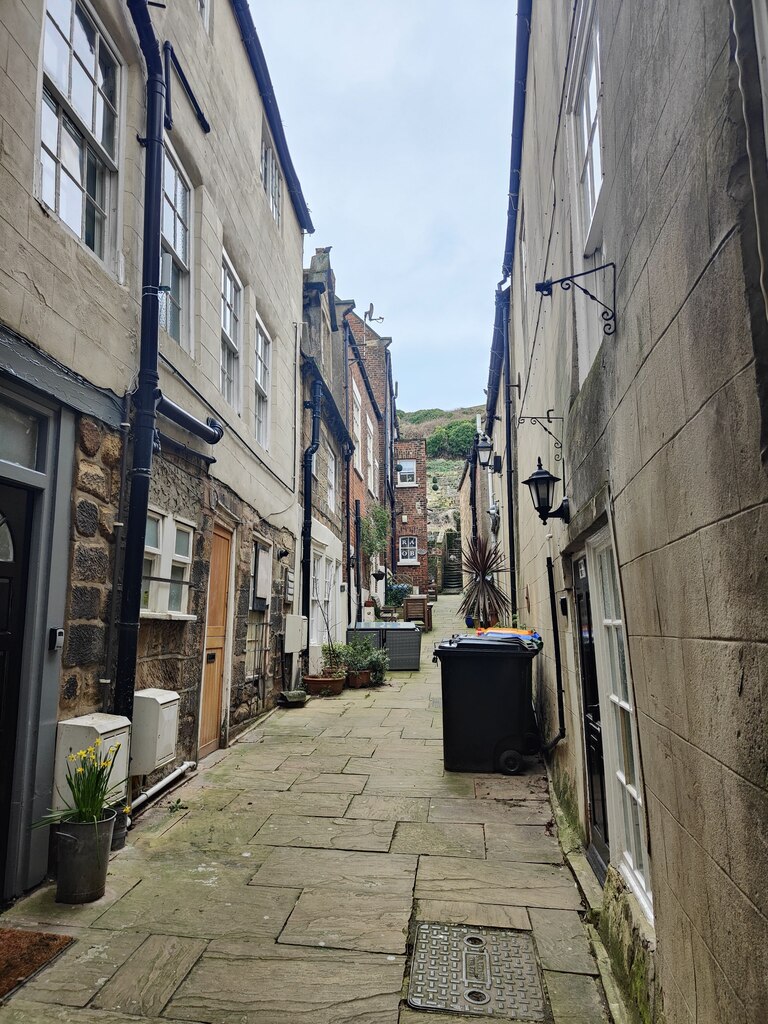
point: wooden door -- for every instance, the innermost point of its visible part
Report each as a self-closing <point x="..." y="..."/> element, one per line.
<point x="215" y="643"/>
<point x="15" y="513"/>
<point x="598" y="852"/>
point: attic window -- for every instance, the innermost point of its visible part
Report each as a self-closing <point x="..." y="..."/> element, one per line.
<point x="272" y="181"/>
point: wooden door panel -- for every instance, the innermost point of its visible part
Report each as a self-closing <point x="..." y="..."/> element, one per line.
<point x="215" y="643"/>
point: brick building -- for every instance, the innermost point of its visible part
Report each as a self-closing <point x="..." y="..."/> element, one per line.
<point x="410" y="540"/>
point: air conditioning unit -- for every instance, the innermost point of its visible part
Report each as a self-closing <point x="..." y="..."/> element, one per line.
<point x="155" y="728"/>
<point x="76" y="734"/>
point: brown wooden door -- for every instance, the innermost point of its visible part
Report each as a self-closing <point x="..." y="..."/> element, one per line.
<point x="215" y="643"/>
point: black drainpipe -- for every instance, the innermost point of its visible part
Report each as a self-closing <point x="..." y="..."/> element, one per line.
<point x="306" y="532"/>
<point x="358" y="564"/>
<point x="145" y="397"/>
<point x="558" y="662"/>
<point x="502" y="301"/>
<point x="347" y="468"/>
<point x="473" y="488"/>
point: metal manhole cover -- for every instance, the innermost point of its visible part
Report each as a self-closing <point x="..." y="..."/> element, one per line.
<point x="485" y="971"/>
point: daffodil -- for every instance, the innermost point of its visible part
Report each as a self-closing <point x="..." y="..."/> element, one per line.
<point x="97" y="742"/>
<point x="79" y="770"/>
<point x="127" y="809"/>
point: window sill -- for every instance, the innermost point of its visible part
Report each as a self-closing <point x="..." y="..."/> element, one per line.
<point x="409" y="563"/>
<point x="145" y="613"/>
<point x="414" y="484"/>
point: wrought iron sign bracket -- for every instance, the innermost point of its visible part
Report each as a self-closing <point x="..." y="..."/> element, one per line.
<point x="608" y="313"/>
<point x="558" y="444"/>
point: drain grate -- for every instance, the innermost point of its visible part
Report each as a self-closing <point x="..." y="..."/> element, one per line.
<point x="485" y="971"/>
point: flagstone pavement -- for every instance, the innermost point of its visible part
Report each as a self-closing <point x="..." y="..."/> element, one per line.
<point x="283" y="882"/>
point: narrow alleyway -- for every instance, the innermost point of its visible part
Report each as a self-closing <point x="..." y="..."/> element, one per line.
<point x="286" y="880"/>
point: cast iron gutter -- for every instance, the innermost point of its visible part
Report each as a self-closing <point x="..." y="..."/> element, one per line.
<point x="263" y="81"/>
<point x="145" y="397"/>
<point x="309" y="368"/>
<point x="306" y="532"/>
<point x="211" y="431"/>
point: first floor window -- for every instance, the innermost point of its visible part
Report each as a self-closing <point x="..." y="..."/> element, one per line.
<point x="167" y="565"/>
<point x="262" y="385"/>
<point x="587" y="127"/>
<point x="369" y="453"/>
<point x="357" y="430"/>
<point x="408" y="549"/>
<point x="174" y="303"/>
<point x="231" y="326"/>
<point x="261" y="576"/>
<point x="406" y="475"/>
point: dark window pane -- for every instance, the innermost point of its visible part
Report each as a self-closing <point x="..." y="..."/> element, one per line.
<point x="84" y="39"/>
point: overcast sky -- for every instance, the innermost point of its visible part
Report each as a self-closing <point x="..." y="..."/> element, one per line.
<point x="398" y="116"/>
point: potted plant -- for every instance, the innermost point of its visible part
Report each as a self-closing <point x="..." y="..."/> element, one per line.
<point x="333" y="672"/>
<point x="378" y="663"/>
<point x="484" y="602"/>
<point x="359" y="653"/>
<point x="85" y="825"/>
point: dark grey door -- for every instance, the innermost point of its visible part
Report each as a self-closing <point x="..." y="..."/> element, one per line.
<point x="15" y="514"/>
<point x="598" y="850"/>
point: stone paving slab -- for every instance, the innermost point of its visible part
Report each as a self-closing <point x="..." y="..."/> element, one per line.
<point x="410" y="763"/>
<point x="575" y="999"/>
<point x="485" y="915"/>
<point x="420" y="785"/>
<point x="450" y="840"/>
<point x="512" y="787"/>
<point x="347" y="747"/>
<point x="292" y="985"/>
<point x="332" y="869"/>
<point x="489" y="811"/>
<point x="145" y="983"/>
<point x="326" y="833"/>
<point x="209" y="830"/>
<point x="530" y="843"/>
<point x="325" y="763"/>
<point x="508" y="884"/>
<point x="76" y="977"/>
<point x="562" y="942"/>
<point x="23" y="1011"/>
<point x="389" y="808"/>
<point x="238" y="777"/>
<point x="318" y="782"/>
<point x="376" y="924"/>
<point x="410" y="717"/>
<point x="326" y="805"/>
<point x="371" y="732"/>
<point x="41" y="906"/>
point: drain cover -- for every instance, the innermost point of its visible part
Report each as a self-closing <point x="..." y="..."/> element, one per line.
<point x="485" y="971"/>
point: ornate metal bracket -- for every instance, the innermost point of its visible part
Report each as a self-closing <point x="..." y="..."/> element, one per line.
<point x="558" y="444"/>
<point x="566" y="283"/>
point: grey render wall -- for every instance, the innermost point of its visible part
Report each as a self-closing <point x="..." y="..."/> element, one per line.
<point x="662" y="437"/>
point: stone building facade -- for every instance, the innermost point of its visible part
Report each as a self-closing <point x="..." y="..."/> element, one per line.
<point x="650" y="405"/>
<point x="70" y="289"/>
<point x="411" y="564"/>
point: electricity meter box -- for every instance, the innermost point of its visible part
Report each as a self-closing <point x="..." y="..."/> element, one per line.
<point x="295" y="633"/>
<point x="76" y="734"/>
<point x="155" y="728"/>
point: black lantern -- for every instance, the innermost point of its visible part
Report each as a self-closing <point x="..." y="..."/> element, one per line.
<point x="542" y="486"/>
<point x="484" y="450"/>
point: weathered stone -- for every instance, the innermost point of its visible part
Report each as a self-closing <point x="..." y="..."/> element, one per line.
<point x="531" y="844"/>
<point x="484" y="915"/>
<point x="92" y="479"/>
<point x="317" y="782"/>
<point x="90" y="436"/>
<point x="86" y="518"/>
<point x="373" y="923"/>
<point x="328" y="833"/>
<point x="389" y="808"/>
<point x="447" y="840"/>
<point x="85" y="645"/>
<point x="85" y="603"/>
<point x="575" y="998"/>
<point x="561" y="941"/>
<point x="111" y="450"/>
<point x="504" y="812"/>
<point x="91" y="564"/>
<point x="505" y="883"/>
<point x="331" y="869"/>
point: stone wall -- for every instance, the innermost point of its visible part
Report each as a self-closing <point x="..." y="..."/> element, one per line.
<point x="411" y="514"/>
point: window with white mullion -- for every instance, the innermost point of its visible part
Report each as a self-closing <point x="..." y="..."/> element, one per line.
<point x="272" y="181"/>
<point x="262" y="386"/>
<point x="174" y="303"/>
<point x="588" y="114"/>
<point x="78" y="140"/>
<point x="231" y="326"/>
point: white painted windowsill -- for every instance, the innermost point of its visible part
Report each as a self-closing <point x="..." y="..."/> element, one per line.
<point x="167" y="616"/>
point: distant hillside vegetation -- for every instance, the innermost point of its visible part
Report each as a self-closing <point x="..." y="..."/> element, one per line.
<point x="424" y="422"/>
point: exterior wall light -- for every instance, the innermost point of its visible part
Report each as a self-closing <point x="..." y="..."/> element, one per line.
<point x="484" y="450"/>
<point x="542" y="487"/>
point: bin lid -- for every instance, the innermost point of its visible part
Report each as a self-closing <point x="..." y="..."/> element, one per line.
<point x="508" y="645"/>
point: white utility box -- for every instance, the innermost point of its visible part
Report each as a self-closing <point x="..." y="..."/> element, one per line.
<point x="80" y="733"/>
<point x="155" y="728"/>
<point x="295" y="633"/>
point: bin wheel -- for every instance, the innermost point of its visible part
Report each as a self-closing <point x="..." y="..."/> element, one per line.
<point x="510" y="762"/>
<point x="531" y="744"/>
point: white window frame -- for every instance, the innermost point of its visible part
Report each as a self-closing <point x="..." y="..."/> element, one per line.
<point x="204" y="10"/>
<point x="625" y="794"/>
<point x="262" y="384"/>
<point x="165" y="560"/>
<point x="404" y="474"/>
<point x="261" y="576"/>
<point x="369" y="454"/>
<point x="586" y="140"/>
<point x="183" y="266"/>
<point x="66" y="112"/>
<point x="404" y="545"/>
<point x="315" y="596"/>
<point x="357" y="429"/>
<point x="331" y="473"/>
<point x="271" y="178"/>
<point x="231" y="341"/>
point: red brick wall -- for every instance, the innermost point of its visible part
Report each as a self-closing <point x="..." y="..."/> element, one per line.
<point x="411" y="501"/>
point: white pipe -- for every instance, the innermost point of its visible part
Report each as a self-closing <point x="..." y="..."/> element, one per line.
<point x="162" y="784"/>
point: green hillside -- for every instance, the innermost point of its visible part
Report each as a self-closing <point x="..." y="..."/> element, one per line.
<point x="424" y="422"/>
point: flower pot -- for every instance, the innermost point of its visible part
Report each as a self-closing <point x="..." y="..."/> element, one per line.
<point x="357" y="680"/>
<point x="121" y="830"/>
<point x="324" y="686"/>
<point x="83" y="858"/>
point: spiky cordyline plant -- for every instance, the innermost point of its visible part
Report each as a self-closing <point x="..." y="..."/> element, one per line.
<point x="483" y="598"/>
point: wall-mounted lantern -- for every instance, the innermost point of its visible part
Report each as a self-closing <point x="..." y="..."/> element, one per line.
<point x="542" y="487"/>
<point x="484" y="450"/>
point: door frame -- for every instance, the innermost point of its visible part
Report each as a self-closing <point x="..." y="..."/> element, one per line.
<point x="226" y="683"/>
<point x="47" y="583"/>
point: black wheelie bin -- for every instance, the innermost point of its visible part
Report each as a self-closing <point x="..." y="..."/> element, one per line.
<point x="488" y="718"/>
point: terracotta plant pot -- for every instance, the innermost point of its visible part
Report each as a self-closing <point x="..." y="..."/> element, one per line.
<point x="324" y="686"/>
<point x="358" y="680"/>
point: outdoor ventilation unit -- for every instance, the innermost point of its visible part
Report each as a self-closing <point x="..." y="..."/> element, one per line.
<point x="155" y="727"/>
<point x="295" y="633"/>
<point x="80" y="733"/>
